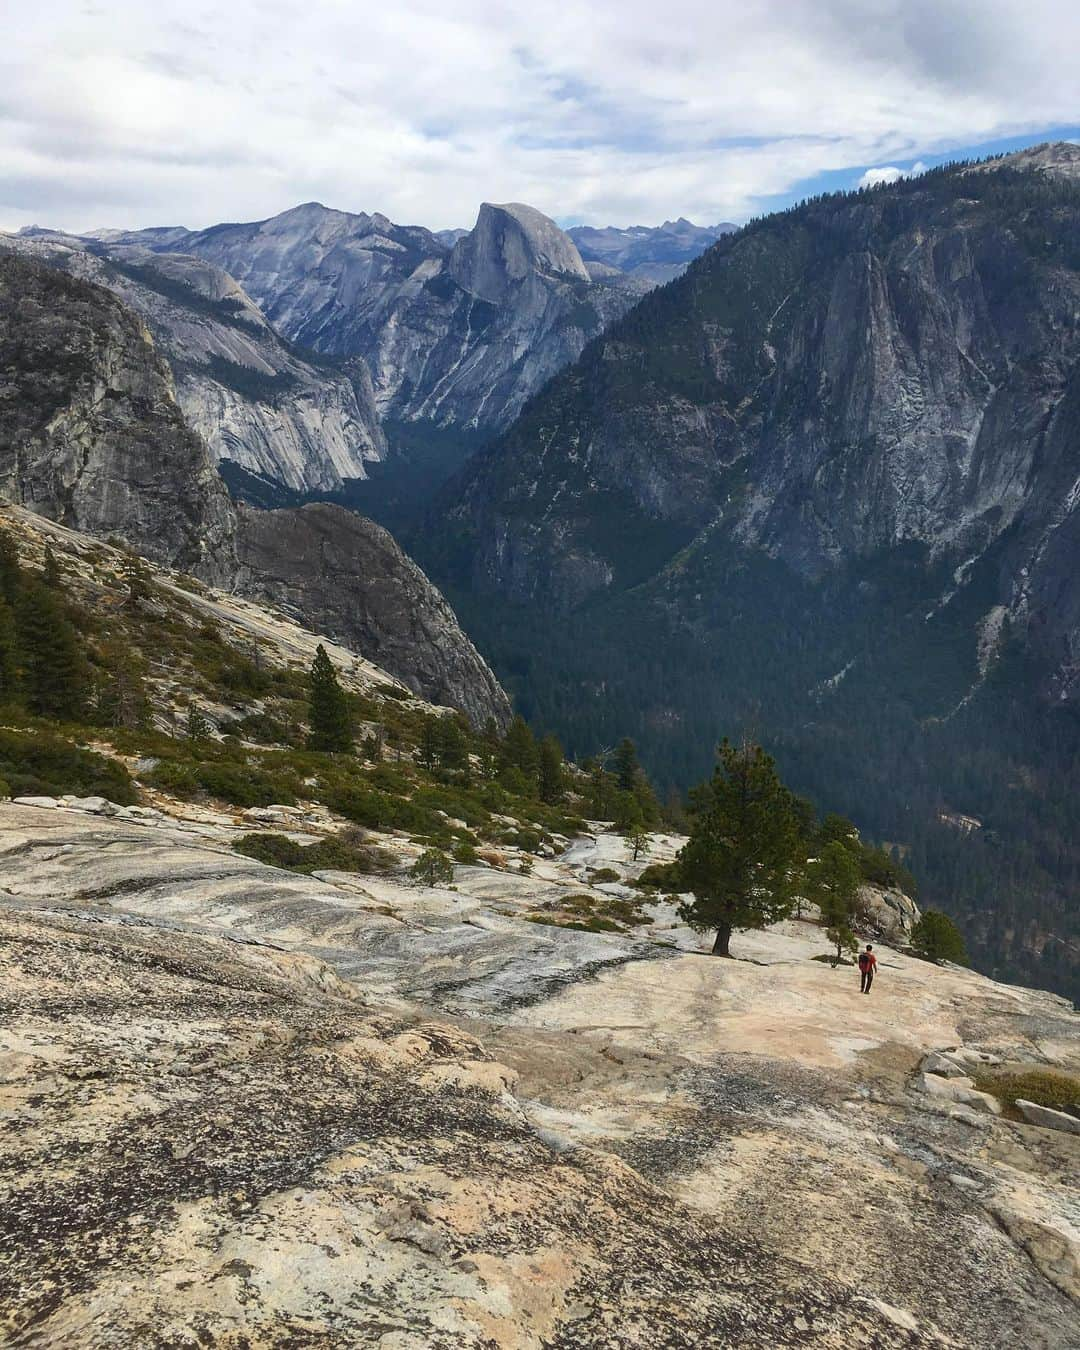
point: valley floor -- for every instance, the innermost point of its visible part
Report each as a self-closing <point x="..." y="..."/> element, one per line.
<point x="248" y="1107"/>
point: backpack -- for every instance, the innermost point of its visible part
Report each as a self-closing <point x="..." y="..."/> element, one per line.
<point x="864" y="961"/>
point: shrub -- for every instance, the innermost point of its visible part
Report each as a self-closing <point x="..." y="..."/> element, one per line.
<point x="41" y="764"/>
<point x="243" y="785"/>
<point x="433" y="868"/>
<point x="599" y="876"/>
<point x="937" y="938"/>
<point x="1045" y="1087"/>
<point x="336" y="853"/>
<point x="465" y="853"/>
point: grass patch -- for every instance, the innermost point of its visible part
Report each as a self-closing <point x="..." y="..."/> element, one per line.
<point x="1045" y="1087"/>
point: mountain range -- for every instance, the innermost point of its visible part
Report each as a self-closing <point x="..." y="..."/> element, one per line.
<point x="821" y="488"/>
<point x="824" y="488"/>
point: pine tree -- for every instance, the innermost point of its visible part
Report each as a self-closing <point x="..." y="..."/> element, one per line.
<point x="433" y="868"/>
<point x="519" y="749"/>
<point x="742" y="859"/>
<point x="136" y="577"/>
<point x="198" y="724"/>
<point x="626" y="765"/>
<point x="9" y="654"/>
<point x="832" y="882"/>
<point x="627" y="815"/>
<point x="328" y="708"/>
<point x="122" y="700"/>
<point x="552" y="774"/>
<point x="936" y="937"/>
<point x="430" y="745"/>
<point x="55" y="673"/>
<point x="10" y="571"/>
<point x="51" y="574"/>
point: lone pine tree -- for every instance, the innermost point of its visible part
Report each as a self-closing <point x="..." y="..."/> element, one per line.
<point x="742" y="861"/>
<point x="328" y="709"/>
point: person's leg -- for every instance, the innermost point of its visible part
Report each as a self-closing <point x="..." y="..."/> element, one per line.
<point x="862" y="981"/>
<point x="869" y="980"/>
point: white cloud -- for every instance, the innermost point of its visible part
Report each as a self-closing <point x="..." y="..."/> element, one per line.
<point x="889" y="173"/>
<point x="186" y="111"/>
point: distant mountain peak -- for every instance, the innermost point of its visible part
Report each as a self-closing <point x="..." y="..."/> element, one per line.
<point x="509" y="241"/>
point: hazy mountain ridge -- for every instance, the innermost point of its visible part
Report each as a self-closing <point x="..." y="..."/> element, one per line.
<point x="650" y="253"/>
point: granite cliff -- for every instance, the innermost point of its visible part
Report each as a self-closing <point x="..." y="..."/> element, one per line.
<point x="825" y="485"/>
<point x="455" y="333"/>
<point x="259" y="405"/>
<point x="92" y="436"/>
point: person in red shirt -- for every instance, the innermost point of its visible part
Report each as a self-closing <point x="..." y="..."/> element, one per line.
<point x="867" y="966"/>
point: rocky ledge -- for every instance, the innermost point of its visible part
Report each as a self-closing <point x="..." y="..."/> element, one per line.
<point x="247" y="1107"/>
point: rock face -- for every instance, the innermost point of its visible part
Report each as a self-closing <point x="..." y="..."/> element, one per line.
<point x="256" y="403"/>
<point x="885" y="369"/>
<point x="91" y="436"/>
<point x="346" y="576"/>
<point x="655" y="254"/>
<point x="259" y="1107"/>
<point x="828" y="480"/>
<point x="90" y="430"/>
<point x="456" y="333"/>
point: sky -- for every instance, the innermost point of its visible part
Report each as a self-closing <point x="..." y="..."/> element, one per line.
<point x="124" y="113"/>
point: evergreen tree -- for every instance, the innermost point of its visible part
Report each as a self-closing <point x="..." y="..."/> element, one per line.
<point x="122" y="700"/>
<point x="519" y="749"/>
<point x="10" y="571"/>
<point x="626" y="765"/>
<point x="454" y="744"/>
<point x="429" y="747"/>
<point x="936" y="937"/>
<point x="55" y="673"/>
<point x="328" y="708"/>
<point x="552" y="774"/>
<point x="832" y="882"/>
<point x="627" y="816"/>
<point x="198" y="724"/>
<point x="51" y="574"/>
<point x="433" y="868"/>
<point x="601" y="788"/>
<point x="9" y="654"/>
<point x="638" y="839"/>
<point x="742" y="859"/>
<point x="136" y="577"/>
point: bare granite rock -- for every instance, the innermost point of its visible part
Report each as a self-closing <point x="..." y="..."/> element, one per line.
<point x="247" y="1106"/>
<point x="345" y="576"/>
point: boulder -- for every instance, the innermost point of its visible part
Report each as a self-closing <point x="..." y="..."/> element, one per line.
<point x="35" y="801"/>
<point x="943" y="1065"/>
<point x="1047" y="1117"/>
<point x="960" y="1090"/>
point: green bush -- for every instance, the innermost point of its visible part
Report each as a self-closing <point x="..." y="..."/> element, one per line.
<point x="42" y="764"/>
<point x="465" y="852"/>
<point x="937" y="938"/>
<point x="599" y="876"/>
<point x="244" y="785"/>
<point x="334" y="853"/>
<point x="1046" y="1087"/>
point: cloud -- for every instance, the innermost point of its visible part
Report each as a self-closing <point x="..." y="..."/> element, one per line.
<point x="624" y="111"/>
<point x="889" y="173"/>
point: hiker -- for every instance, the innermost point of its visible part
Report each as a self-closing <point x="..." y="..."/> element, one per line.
<point x="867" y="966"/>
